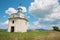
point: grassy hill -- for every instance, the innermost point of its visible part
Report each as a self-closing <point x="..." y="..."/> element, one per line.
<point x="31" y="35"/>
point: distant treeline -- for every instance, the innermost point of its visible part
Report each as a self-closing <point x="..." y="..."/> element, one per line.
<point x="3" y="30"/>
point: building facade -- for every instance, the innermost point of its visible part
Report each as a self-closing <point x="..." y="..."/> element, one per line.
<point x="18" y="22"/>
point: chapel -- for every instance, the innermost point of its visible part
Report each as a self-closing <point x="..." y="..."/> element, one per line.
<point x="18" y="22"/>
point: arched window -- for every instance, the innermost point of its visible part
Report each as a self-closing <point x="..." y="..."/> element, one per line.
<point x="13" y="21"/>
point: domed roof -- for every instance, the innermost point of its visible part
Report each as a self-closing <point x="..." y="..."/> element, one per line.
<point x="19" y="14"/>
<point x="22" y="15"/>
<point x="14" y="15"/>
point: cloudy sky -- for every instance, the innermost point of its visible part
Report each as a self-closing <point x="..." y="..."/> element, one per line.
<point x="41" y="14"/>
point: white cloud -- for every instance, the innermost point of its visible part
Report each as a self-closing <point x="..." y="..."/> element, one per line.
<point x="6" y="22"/>
<point x="37" y="25"/>
<point x="10" y="11"/>
<point x="55" y="15"/>
<point x="41" y="8"/>
<point x="48" y="19"/>
<point x="13" y="10"/>
<point x="28" y="17"/>
<point x="34" y="25"/>
<point x="3" y="26"/>
<point x="43" y="4"/>
<point x="4" y="16"/>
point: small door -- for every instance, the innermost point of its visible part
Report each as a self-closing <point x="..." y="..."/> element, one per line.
<point x="12" y="29"/>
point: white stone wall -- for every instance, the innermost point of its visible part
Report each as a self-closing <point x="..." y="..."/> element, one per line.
<point x="20" y="25"/>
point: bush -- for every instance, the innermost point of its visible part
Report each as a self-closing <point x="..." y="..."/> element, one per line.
<point x="55" y="28"/>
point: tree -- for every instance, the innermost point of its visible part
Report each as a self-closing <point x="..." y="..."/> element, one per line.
<point x="55" y="28"/>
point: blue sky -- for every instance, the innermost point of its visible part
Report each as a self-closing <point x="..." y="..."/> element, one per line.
<point x="41" y="13"/>
<point x="5" y="4"/>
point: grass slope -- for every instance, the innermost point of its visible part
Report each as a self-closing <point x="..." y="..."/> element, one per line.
<point x="31" y="35"/>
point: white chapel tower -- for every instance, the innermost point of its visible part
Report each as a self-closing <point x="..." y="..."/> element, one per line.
<point x="18" y="22"/>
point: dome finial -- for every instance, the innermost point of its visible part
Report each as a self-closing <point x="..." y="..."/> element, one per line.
<point x="19" y="8"/>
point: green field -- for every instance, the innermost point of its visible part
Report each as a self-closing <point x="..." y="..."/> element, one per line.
<point x="31" y="35"/>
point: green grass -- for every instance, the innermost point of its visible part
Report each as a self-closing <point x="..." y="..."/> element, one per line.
<point x="31" y="35"/>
